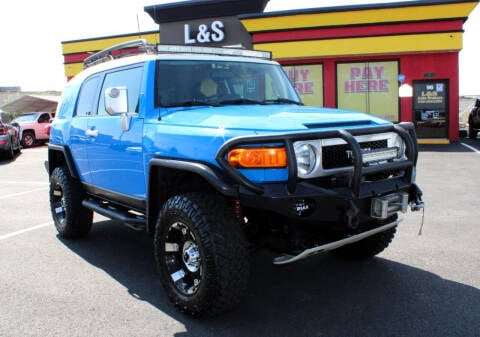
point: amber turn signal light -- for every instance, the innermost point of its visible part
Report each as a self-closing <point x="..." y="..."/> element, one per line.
<point x="258" y="157"/>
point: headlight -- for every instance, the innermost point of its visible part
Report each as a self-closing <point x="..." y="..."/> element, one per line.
<point x="398" y="143"/>
<point x="306" y="158"/>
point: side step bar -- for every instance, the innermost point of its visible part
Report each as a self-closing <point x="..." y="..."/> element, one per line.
<point x="133" y="221"/>
<point x="285" y="259"/>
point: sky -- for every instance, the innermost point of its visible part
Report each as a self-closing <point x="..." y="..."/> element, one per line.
<point x="31" y="33"/>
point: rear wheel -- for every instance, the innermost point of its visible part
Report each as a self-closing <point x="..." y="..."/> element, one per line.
<point x="201" y="254"/>
<point x="28" y="139"/>
<point x="71" y="219"/>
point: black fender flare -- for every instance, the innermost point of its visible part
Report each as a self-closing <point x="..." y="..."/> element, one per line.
<point x="210" y="175"/>
<point x="54" y="151"/>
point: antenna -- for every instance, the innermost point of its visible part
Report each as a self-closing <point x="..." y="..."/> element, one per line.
<point x="138" y="27"/>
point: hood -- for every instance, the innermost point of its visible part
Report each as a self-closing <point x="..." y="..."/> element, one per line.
<point x="269" y="118"/>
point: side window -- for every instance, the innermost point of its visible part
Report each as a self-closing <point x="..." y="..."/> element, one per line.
<point x="131" y="79"/>
<point x="44" y="118"/>
<point x="87" y="97"/>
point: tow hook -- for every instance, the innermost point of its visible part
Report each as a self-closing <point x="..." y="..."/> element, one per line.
<point x="418" y="205"/>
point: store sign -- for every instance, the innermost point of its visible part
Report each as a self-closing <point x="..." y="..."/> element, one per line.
<point x="366" y="79"/>
<point x="429" y="95"/>
<point x="226" y="31"/>
<point x="204" y="33"/>
<point x="308" y="81"/>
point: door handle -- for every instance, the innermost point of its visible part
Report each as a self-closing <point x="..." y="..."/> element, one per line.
<point x="91" y="133"/>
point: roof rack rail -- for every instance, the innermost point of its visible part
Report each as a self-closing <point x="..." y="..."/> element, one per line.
<point x="115" y="52"/>
<point x="229" y="51"/>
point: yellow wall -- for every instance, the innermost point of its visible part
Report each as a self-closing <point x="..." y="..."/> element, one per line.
<point x="94" y="45"/>
<point x="359" y="17"/>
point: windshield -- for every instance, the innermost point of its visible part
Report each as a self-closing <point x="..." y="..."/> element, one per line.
<point x="197" y="82"/>
<point x="25" y="118"/>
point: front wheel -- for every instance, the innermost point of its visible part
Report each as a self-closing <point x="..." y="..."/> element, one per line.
<point x="201" y="254"/>
<point x="71" y="219"/>
<point x="11" y="152"/>
<point x="368" y="247"/>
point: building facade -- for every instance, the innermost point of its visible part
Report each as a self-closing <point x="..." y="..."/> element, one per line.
<point x="398" y="61"/>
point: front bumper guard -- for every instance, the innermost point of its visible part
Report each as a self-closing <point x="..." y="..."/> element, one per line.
<point x="405" y="130"/>
<point x="287" y="258"/>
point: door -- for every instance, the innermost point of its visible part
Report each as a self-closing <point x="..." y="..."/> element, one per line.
<point x="78" y="140"/>
<point x="115" y="155"/>
<point x="430" y="108"/>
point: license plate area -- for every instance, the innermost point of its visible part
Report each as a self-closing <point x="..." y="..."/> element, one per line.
<point x="387" y="205"/>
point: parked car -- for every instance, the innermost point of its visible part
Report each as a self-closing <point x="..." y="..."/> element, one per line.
<point x="474" y="120"/>
<point x="32" y="127"/>
<point x="9" y="139"/>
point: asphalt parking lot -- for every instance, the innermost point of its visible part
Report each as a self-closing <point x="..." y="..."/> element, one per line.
<point x="107" y="285"/>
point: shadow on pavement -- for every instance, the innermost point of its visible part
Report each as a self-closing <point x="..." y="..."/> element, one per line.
<point x="322" y="296"/>
<point x="452" y="147"/>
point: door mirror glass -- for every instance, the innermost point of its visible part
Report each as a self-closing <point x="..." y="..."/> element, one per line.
<point x="116" y="100"/>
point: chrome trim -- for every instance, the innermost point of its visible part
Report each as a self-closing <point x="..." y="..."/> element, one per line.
<point x="285" y="259"/>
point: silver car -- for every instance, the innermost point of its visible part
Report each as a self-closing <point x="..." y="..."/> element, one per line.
<point x="9" y="139"/>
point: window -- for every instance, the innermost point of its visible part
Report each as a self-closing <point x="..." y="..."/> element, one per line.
<point x="87" y="98"/>
<point x="371" y="87"/>
<point x="308" y="81"/>
<point x="44" y="118"/>
<point x="130" y="78"/>
<point x="199" y="82"/>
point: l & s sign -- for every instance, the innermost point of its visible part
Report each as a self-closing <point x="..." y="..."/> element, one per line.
<point x="204" y="33"/>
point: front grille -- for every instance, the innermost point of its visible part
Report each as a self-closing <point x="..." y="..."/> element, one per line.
<point x="335" y="156"/>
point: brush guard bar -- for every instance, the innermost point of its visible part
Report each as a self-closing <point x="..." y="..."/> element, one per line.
<point x="405" y="130"/>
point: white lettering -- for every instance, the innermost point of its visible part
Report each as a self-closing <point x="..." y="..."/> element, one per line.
<point x="188" y="39"/>
<point x="218" y="34"/>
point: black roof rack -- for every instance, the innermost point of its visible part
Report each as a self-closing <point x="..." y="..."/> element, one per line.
<point x="128" y="48"/>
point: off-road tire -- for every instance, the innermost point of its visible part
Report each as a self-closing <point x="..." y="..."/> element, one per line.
<point x="217" y="280"/>
<point x="28" y="139"/>
<point x="472" y="133"/>
<point x="368" y="247"/>
<point x="71" y="219"/>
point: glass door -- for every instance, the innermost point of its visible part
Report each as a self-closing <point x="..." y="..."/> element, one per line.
<point x="430" y="108"/>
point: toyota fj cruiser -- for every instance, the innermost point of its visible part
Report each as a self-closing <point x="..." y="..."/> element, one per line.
<point x="212" y="152"/>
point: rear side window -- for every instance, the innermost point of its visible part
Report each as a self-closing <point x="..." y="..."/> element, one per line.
<point x="130" y="78"/>
<point x="88" y="97"/>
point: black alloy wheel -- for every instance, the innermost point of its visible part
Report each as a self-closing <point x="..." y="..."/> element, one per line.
<point x="201" y="254"/>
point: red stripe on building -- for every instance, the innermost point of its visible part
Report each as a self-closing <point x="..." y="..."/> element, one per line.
<point x="354" y="31"/>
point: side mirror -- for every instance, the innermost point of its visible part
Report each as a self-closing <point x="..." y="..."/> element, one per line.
<point x="116" y="100"/>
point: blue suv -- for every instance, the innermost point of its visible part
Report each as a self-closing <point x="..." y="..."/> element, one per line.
<point x="212" y="152"/>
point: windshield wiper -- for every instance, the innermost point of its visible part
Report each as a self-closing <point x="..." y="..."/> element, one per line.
<point x="239" y="101"/>
<point x="194" y="102"/>
<point x="281" y="100"/>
